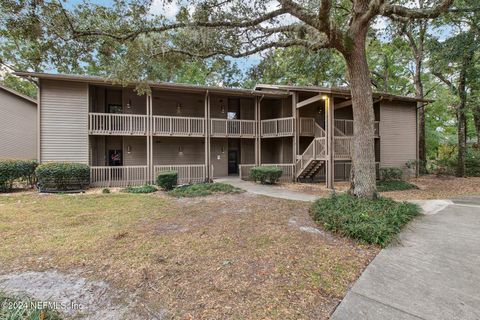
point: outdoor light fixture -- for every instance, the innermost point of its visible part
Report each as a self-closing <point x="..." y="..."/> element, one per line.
<point x="129" y="104"/>
<point x="222" y="107"/>
<point x="129" y="149"/>
<point x="180" y="150"/>
<point x="324" y="97"/>
<point x="179" y="108"/>
<point x="223" y="149"/>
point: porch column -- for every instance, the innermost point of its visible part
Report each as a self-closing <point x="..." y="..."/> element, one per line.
<point x="257" y="129"/>
<point x="208" y="168"/>
<point x="150" y="171"/>
<point x="329" y="116"/>
<point x="259" y="117"/>
<point x="296" y="127"/>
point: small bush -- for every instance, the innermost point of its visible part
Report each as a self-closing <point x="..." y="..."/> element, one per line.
<point x="384" y="186"/>
<point x="14" y="170"/>
<point x="105" y="190"/>
<point x="370" y="221"/>
<point x="143" y="189"/>
<point x="266" y="174"/>
<point x="62" y="176"/>
<point x="391" y="174"/>
<point x="167" y="179"/>
<point x="203" y="189"/>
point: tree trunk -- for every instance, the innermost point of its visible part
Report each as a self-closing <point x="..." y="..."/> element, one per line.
<point x="422" y="150"/>
<point x="476" y="118"/>
<point x="461" y="118"/>
<point x="363" y="158"/>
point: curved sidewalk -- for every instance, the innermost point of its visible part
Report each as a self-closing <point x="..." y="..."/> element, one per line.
<point x="268" y="190"/>
<point x="432" y="273"/>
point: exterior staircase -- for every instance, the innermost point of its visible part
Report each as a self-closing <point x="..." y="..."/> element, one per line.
<point x="312" y="161"/>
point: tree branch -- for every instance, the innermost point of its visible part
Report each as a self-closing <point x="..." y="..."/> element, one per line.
<point x="389" y="10"/>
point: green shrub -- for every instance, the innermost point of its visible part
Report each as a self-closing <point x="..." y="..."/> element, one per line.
<point x="266" y="174"/>
<point x="167" y="179"/>
<point x="105" y="190"/>
<point x="370" y="221"/>
<point x="14" y="170"/>
<point x="142" y="189"/>
<point x="391" y="174"/>
<point x="62" y="176"/>
<point x="384" y="186"/>
<point x="203" y="189"/>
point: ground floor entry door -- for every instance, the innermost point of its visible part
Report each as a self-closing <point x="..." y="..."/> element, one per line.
<point x="232" y="161"/>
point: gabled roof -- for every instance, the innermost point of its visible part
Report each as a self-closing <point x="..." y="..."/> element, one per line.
<point x="18" y="94"/>
<point x="153" y="84"/>
<point x="340" y="91"/>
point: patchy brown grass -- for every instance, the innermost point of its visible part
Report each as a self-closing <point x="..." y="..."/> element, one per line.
<point x="318" y="189"/>
<point x="433" y="187"/>
<point x="229" y="256"/>
<point x="429" y="187"/>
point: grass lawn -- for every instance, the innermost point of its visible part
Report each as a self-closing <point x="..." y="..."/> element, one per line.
<point x="236" y="256"/>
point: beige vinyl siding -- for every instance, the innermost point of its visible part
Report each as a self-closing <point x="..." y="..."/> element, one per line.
<point x="138" y="151"/>
<point x="18" y="127"/>
<point x="166" y="151"/>
<point x="398" y="133"/>
<point x="277" y="150"/>
<point x="64" y="121"/>
<point x="165" y="104"/>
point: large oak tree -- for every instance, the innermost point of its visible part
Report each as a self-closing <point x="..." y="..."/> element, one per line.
<point x="238" y="28"/>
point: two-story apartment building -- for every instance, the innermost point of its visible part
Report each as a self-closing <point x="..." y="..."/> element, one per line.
<point x="210" y="132"/>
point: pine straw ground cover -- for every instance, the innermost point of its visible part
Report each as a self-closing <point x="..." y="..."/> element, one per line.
<point x="220" y="257"/>
<point x="429" y="187"/>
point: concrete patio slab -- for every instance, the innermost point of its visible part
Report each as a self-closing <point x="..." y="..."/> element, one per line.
<point x="433" y="271"/>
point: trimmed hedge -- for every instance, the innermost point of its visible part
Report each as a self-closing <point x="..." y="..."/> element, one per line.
<point x="12" y="170"/>
<point x="266" y="174"/>
<point x="391" y="174"/>
<point x="167" y="179"/>
<point x="62" y="176"/>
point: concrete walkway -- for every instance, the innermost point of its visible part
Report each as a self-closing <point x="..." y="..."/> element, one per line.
<point x="433" y="273"/>
<point x="268" y="190"/>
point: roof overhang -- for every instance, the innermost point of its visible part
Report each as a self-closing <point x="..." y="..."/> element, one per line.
<point x="337" y="91"/>
<point x="18" y="94"/>
<point x="180" y="87"/>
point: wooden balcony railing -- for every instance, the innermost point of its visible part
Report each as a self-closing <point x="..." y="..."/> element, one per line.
<point x="187" y="173"/>
<point x="343" y="147"/>
<point x="178" y="126"/>
<point x="121" y="176"/>
<point x="345" y="127"/>
<point x="277" y="127"/>
<point x="233" y="128"/>
<point x="117" y="124"/>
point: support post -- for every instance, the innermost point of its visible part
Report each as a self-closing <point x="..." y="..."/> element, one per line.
<point x="208" y="173"/>
<point x="296" y="127"/>
<point x="150" y="171"/>
<point x="329" y="116"/>
<point x="257" y="130"/>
